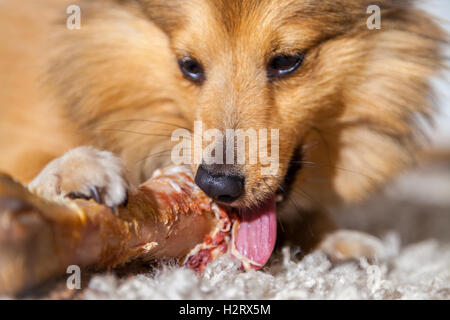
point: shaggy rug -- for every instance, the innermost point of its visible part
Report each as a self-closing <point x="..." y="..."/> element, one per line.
<point x="419" y="271"/>
<point x="412" y="217"/>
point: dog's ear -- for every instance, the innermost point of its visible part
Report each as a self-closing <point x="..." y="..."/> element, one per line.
<point x="167" y="14"/>
<point x="400" y="59"/>
<point x="387" y="98"/>
<point x="384" y="97"/>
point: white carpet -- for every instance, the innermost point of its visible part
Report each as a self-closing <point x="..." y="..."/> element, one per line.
<point x="420" y="271"/>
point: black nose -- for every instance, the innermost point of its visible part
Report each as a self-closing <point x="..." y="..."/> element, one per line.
<point x="221" y="187"/>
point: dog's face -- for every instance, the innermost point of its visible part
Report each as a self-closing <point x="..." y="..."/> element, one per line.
<point x="342" y="96"/>
<point x="251" y="66"/>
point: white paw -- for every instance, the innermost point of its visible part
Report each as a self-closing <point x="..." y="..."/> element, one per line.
<point x="85" y="173"/>
<point x="344" y="245"/>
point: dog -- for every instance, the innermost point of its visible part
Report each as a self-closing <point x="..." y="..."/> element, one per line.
<point x="87" y="112"/>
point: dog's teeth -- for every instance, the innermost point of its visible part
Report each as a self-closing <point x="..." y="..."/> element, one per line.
<point x="279" y="198"/>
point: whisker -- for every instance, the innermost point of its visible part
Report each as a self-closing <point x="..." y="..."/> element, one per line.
<point x="324" y="141"/>
<point x="296" y="205"/>
<point x="314" y="179"/>
<point x="309" y="197"/>
<point x="161" y="153"/>
<point x="147" y="120"/>
<point x="135" y="132"/>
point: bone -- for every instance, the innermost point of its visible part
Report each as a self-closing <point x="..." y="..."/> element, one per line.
<point x="166" y="217"/>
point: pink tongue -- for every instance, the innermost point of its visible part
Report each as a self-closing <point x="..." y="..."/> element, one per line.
<point x="257" y="233"/>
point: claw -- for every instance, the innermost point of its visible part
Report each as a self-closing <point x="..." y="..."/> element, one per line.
<point x="114" y="210"/>
<point x="77" y="195"/>
<point x="95" y="194"/>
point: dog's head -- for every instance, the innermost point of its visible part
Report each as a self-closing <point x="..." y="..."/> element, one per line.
<point x="343" y="94"/>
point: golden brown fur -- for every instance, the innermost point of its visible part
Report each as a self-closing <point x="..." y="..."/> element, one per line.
<point x="350" y="109"/>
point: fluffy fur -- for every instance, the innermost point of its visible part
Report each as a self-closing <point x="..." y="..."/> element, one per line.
<point x="347" y="115"/>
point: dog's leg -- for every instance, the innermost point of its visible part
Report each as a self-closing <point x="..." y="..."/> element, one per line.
<point x="84" y="172"/>
<point x="316" y="231"/>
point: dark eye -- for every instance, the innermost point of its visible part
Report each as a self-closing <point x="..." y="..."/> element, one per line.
<point x="283" y="65"/>
<point x="192" y="69"/>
